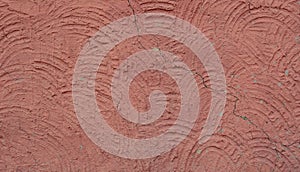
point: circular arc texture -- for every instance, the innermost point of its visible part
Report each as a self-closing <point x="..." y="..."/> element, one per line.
<point x="98" y="46"/>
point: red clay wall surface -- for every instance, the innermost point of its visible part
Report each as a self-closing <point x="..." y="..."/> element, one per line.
<point x="258" y="42"/>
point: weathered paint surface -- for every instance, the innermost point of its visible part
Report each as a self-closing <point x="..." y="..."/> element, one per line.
<point x="258" y="44"/>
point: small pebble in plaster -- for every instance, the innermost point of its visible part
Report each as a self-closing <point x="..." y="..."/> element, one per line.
<point x="297" y="38"/>
<point x="279" y="84"/>
<point x="198" y="151"/>
<point x="286" y="72"/>
<point x="155" y="49"/>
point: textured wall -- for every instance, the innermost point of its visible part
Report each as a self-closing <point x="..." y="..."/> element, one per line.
<point x="258" y="42"/>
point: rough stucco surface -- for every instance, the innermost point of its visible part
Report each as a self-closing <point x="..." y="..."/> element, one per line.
<point x="258" y="42"/>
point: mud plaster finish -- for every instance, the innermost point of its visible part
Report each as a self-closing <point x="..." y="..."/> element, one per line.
<point x="257" y="41"/>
